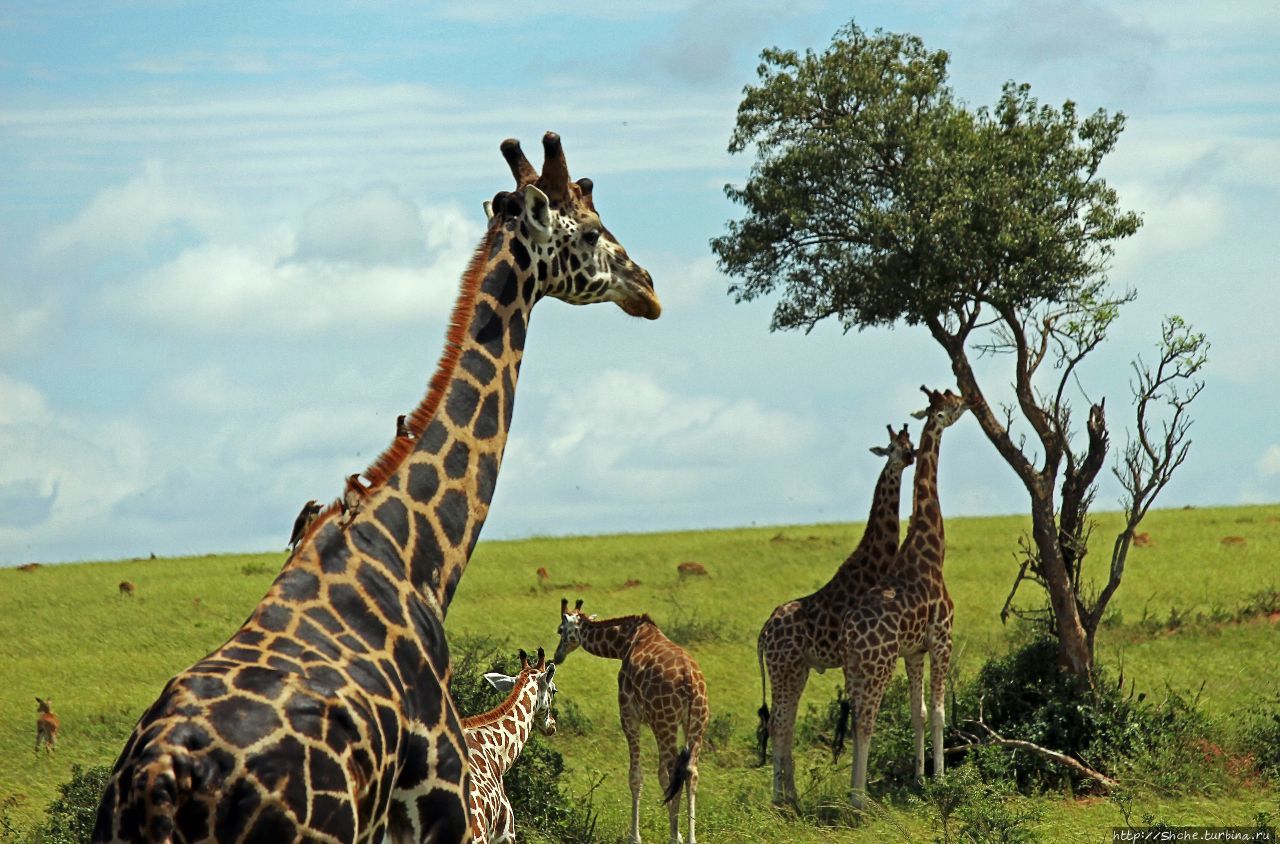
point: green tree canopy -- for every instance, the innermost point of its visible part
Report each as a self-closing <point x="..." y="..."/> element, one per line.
<point x="876" y="196"/>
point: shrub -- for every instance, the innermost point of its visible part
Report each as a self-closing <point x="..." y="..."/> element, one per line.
<point x="70" y="818"/>
<point x="966" y="809"/>
<point x="1024" y="695"/>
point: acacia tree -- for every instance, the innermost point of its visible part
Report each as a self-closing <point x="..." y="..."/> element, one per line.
<point x="876" y="197"/>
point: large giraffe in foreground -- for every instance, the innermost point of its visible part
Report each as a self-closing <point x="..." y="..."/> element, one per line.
<point x="326" y="717"/>
<point x="659" y="684"/>
<point x="908" y="614"/>
<point x="805" y="633"/>
<point x="495" y="739"/>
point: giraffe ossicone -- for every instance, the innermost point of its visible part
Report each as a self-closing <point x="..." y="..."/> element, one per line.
<point x="806" y="633"/>
<point x="326" y="716"/>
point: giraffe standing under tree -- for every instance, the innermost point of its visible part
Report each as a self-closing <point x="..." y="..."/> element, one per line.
<point x="909" y="614"/>
<point x="659" y="684"/>
<point x="495" y="739"/>
<point x="806" y="633"/>
<point x="326" y="716"/>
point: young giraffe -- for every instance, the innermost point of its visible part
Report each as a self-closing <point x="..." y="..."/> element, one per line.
<point x="326" y="717"/>
<point x="659" y="684"/>
<point x="908" y="614"/>
<point x="495" y="739"/>
<point x="47" y="725"/>
<point x="806" y="633"/>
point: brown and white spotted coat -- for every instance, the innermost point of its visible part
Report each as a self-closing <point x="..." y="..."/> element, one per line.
<point x="495" y="739"/>
<point x="806" y="633"/>
<point x="909" y="614"/>
<point x="660" y="685"/>
<point x="326" y="716"/>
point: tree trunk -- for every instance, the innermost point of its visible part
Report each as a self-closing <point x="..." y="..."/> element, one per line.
<point x="1074" y="653"/>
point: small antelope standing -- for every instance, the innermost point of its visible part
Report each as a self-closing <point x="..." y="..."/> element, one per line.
<point x="495" y="739"/>
<point x="46" y="726"/>
<point x="659" y="684"/>
<point x="127" y="589"/>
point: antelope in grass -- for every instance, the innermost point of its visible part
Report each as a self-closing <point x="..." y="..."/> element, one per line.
<point x="46" y="726"/>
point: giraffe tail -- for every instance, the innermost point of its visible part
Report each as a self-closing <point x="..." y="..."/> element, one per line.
<point x="762" y="731"/>
<point x="679" y="774"/>
<point x="842" y="728"/>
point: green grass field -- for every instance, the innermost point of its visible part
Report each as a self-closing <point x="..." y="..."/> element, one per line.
<point x="67" y="633"/>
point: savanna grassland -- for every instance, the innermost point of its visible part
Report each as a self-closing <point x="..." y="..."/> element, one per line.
<point x="66" y="632"/>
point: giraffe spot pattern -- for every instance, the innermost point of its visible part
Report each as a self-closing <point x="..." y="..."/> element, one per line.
<point x="312" y="701"/>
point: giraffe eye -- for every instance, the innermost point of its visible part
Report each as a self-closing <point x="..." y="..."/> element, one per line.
<point x="591" y="236"/>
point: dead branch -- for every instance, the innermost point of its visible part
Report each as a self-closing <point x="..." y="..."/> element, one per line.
<point x="995" y="739"/>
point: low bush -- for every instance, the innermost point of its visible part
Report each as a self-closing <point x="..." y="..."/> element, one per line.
<point x="70" y="818"/>
<point x="1166" y="745"/>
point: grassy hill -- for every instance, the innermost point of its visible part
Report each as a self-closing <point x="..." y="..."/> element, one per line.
<point x="67" y="633"/>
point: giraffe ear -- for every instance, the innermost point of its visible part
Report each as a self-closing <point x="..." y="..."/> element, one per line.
<point x="488" y="209"/>
<point x="500" y="681"/>
<point x="537" y="214"/>
<point x="920" y="414"/>
<point x="879" y="451"/>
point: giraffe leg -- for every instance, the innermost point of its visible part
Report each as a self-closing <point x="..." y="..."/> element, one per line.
<point x="865" y="684"/>
<point x="691" y="788"/>
<point x="915" y="678"/>
<point x="941" y="660"/>
<point x="504" y="823"/>
<point x="667" y="753"/>
<point x="631" y="729"/>
<point x="788" y="680"/>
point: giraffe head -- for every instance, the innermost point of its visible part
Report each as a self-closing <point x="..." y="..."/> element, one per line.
<point x="570" y="629"/>
<point x="541" y="673"/>
<point x="573" y="257"/>
<point x="944" y="408"/>
<point x="900" y="451"/>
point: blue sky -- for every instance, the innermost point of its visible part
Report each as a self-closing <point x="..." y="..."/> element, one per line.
<point x="230" y="234"/>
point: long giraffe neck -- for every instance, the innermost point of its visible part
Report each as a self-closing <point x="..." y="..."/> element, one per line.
<point x="925" y="533"/>
<point x="503" y="730"/>
<point x="430" y="496"/>
<point x="612" y="637"/>
<point x="880" y="538"/>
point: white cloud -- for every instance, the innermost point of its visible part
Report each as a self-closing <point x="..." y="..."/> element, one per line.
<point x="1269" y="464"/>
<point x="63" y="472"/>
<point x="624" y="434"/>
<point x="376" y="225"/>
<point x="268" y="286"/>
<point x="129" y="218"/>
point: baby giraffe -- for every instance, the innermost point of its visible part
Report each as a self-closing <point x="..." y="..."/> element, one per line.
<point x="46" y="726"/>
<point x="659" y="684"/>
<point x="495" y="739"/>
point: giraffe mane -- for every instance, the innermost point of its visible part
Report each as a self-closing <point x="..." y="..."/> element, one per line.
<point x="464" y="307"/>
<point x="501" y="710"/>
<point x="642" y="618"/>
